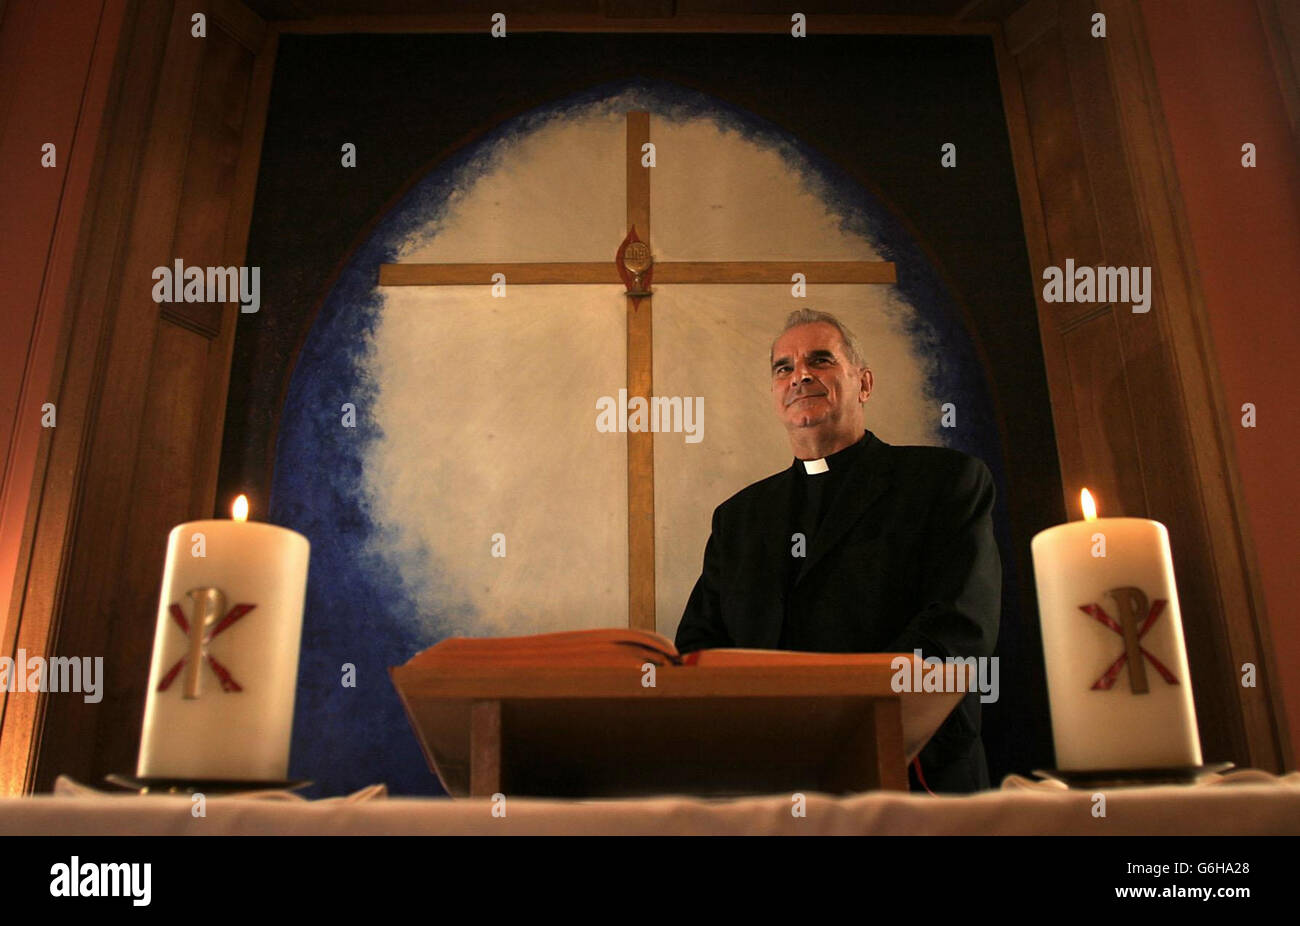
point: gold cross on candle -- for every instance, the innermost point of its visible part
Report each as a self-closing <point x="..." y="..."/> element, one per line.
<point x="209" y="604"/>
<point x="1132" y="609"/>
<point x="211" y="629"/>
<point x="1133" y="603"/>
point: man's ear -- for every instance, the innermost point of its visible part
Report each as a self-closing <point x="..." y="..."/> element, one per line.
<point x="868" y="381"/>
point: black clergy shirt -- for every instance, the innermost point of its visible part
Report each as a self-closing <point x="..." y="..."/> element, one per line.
<point x="901" y="557"/>
<point x="811" y="496"/>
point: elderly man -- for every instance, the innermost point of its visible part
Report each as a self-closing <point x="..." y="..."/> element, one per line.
<point x="859" y="546"/>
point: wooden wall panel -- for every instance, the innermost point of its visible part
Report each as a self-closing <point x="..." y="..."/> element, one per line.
<point x="204" y="206"/>
<point x="156" y="389"/>
<point x="159" y="500"/>
<point x="1099" y="390"/>
<point x="38" y="593"/>
<point x="1064" y="185"/>
<point x="1218" y="90"/>
<point x="59" y="99"/>
<point x="1137" y="413"/>
<point x="1164" y="456"/>
<point x="187" y="366"/>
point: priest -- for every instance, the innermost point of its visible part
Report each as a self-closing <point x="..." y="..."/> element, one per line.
<point x="859" y="546"/>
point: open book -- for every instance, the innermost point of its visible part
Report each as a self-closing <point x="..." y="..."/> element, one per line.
<point x="614" y="648"/>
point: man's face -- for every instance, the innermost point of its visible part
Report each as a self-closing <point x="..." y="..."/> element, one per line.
<point x="814" y="385"/>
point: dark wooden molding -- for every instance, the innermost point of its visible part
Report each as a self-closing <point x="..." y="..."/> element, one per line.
<point x="240" y="23"/>
<point x="997" y="11"/>
<point x="1077" y="321"/>
<point x="775" y="24"/>
<point x="200" y="317"/>
<point x="1027" y="24"/>
<point x="639" y="9"/>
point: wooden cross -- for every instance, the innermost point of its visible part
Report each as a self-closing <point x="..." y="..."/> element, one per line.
<point x="640" y="444"/>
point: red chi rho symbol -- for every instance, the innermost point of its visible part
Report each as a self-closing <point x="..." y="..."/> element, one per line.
<point x="227" y="680"/>
<point x="1132" y="605"/>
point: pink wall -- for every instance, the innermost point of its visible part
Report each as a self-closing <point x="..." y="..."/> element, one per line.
<point x="55" y="65"/>
<point x="1219" y="91"/>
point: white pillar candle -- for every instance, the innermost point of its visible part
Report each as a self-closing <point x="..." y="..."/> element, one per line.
<point x="221" y="693"/>
<point x="1106" y="593"/>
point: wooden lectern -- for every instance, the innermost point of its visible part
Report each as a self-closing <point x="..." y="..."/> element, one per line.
<point x="595" y="731"/>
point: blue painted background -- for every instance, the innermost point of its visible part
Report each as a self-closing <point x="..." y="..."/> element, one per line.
<point x="345" y="738"/>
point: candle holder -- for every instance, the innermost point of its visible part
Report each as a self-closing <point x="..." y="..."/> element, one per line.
<point x="1132" y="777"/>
<point x="199" y="786"/>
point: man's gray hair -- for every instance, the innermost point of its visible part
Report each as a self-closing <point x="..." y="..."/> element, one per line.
<point x="810" y="316"/>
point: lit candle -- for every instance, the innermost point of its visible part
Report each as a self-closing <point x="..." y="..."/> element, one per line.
<point x="225" y="653"/>
<point x="1117" y="678"/>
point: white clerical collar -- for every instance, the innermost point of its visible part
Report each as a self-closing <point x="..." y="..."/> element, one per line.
<point x="812" y="467"/>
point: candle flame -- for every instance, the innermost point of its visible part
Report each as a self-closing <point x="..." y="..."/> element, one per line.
<point x="239" y="510"/>
<point x="1089" y="506"/>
